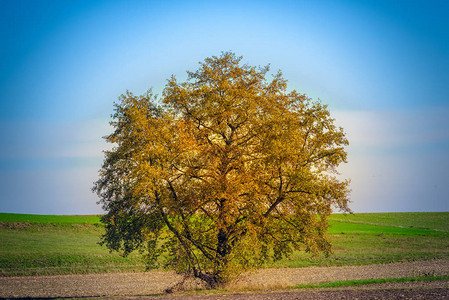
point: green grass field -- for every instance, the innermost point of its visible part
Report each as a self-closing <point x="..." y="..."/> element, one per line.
<point x="49" y="219"/>
<point x="44" y="245"/>
<point x="372" y="238"/>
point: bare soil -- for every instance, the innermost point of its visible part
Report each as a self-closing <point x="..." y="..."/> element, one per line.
<point x="128" y="285"/>
<point x="372" y="293"/>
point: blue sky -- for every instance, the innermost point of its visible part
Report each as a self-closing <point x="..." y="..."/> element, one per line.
<point x="382" y="66"/>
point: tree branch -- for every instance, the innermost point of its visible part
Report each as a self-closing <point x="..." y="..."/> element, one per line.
<point x="273" y="206"/>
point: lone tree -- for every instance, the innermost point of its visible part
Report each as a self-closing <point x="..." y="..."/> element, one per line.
<point x="226" y="171"/>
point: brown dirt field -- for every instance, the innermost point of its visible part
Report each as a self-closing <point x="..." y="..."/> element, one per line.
<point x="372" y="293"/>
<point x="155" y="282"/>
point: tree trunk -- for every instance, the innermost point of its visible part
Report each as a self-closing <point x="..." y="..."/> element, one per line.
<point x="221" y="259"/>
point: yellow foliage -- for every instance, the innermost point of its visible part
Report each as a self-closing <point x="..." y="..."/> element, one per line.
<point x="235" y="167"/>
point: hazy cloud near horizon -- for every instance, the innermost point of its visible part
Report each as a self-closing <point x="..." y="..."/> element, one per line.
<point x="388" y="159"/>
<point x="397" y="160"/>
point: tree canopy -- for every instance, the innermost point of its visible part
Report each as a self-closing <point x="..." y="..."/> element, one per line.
<point x="221" y="173"/>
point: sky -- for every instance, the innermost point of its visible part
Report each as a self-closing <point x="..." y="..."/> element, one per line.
<point x="381" y="66"/>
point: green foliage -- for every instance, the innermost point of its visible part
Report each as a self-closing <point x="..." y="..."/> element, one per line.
<point x="236" y="169"/>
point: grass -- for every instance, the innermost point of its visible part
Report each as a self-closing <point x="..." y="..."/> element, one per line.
<point x="436" y="221"/>
<point x="361" y="239"/>
<point x="370" y="281"/>
<point x="45" y="245"/>
<point x="49" y="219"/>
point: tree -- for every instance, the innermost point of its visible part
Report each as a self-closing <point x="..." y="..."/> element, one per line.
<point x="226" y="171"/>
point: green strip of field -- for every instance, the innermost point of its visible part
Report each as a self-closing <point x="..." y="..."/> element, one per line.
<point x="436" y="221"/>
<point x="48" y="219"/>
<point x="49" y="245"/>
<point x="360" y="239"/>
<point x="370" y="281"/>
<point x="36" y="244"/>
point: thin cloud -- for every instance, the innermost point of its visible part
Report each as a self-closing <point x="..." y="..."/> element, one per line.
<point x="391" y="129"/>
<point x="43" y="140"/>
